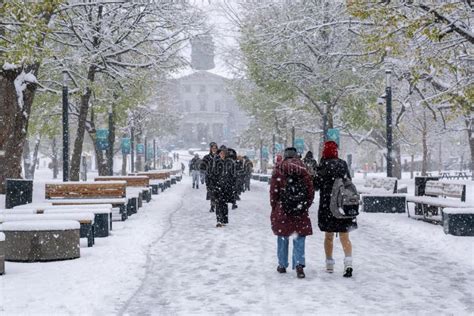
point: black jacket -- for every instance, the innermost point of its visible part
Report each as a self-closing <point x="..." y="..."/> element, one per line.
<point x="327" y="172"/>
<point x="222" y="180"/>
<point x="195" y="164"/>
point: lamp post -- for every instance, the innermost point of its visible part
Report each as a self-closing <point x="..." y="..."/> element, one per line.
<point x="65" y="129"/>
<point x="388" y="99"/>
<point x="111" y="138"/>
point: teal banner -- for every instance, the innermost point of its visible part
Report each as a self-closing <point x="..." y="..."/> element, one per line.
<point x="126" y="146"/>
<point x="278" y="148"/>
<point x="149" y="152"/>
<point x="299" y="145"/>
<point x="102" y="138"/>
<point x="140" y="149"/>
<point x="265" y="153"/>
<point x="333" y="134"/>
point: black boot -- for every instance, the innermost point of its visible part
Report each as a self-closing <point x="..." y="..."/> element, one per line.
<point x="300" y="272"/>
<point x="281" y="269"/>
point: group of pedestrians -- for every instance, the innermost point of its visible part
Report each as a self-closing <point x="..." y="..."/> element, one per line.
<point x="293" y="185"/>
<point x="226" y="176"/>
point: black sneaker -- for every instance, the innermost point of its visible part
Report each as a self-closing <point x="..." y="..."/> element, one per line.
<point x="300" y="272"/>
<point x="348" y="272"/>
<point x="281" y="269"/>
<point x="218" y="225"/>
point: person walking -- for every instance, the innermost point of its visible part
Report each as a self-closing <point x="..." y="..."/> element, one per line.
<point x="194" y="165"/>
<point x="331" y="168"/>
<point x="291" y="195"/>
<point x="311" y="164"/>
<point x="248" y="169"/>
<point x="223" y="183"/>
<point x="232" y="155"/>
<point x="206" y="166"/>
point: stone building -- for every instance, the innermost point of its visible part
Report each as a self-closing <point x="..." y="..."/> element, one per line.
<point x="208" y="110"/>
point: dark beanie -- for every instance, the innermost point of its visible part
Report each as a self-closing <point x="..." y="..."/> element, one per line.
<point x="290" y="152"/>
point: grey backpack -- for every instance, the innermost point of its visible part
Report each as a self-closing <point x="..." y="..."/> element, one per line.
<point x="344" y="199"/>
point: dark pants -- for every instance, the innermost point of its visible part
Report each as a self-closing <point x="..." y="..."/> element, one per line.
<point x="222" y="212"/>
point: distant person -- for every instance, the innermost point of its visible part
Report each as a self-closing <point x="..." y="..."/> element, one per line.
<point x="207" y="164"/>
<point x="331" y="168"/>
<point x="248" y="170"/>
<point x="291" y="195"/>
<point x="311" y="164"/>
<point x="194" y="166"/>
<point x="223" y="182"/>
<point x="232" y="155"/>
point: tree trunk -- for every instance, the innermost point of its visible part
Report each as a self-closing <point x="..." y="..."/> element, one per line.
<point x="35" y="157"/>
<point x="27" y="160"/>
<point x="110" y="151"/>
<point x="124" y="165"/>
<point x="54" y="158"/>
<point x="470" y="136"/>
<point x="13" y="123"/>
<point x="81" y="127"/>
<point x="412" y="166"/>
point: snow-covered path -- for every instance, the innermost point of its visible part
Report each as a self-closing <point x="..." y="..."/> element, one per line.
<point x="401" y="266"/>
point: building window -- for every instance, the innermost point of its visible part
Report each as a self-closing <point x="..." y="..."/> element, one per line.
<point x="203" y="106"/>
<point x="217" y="106"/>
<point x="202" y="88"/>
<point x="187" y="88"/>
<point x="187" y="105"/>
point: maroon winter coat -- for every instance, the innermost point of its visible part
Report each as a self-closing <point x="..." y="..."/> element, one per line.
<point x="283" y="224"/>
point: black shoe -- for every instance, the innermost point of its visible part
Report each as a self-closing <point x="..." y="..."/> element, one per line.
<point x="211" y="210"/>
<point x="234" y="206"/>
<point x="193" y="186"/>
<point x="197" y="187"/>
<point x="237" y="198"/>
<point x="281" y="269"/>
<point x="300" y="272"/>
<point x="348" y="272"/>
<point x="218" y="225"/>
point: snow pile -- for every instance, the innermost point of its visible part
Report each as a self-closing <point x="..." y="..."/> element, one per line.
<point x="2" y="236"/>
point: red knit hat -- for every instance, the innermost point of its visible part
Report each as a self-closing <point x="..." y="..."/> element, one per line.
<point x="330" y="150"/>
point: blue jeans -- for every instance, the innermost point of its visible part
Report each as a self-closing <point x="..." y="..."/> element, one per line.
<point x="298" y="251"/>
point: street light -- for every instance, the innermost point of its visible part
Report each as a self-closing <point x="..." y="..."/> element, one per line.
<point x="388" y="99"/>
<point x="65" y="128"/>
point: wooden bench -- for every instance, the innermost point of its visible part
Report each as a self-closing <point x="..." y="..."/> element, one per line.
<point x="99" y="192"/>
<point x="33" y="241"/>
<point x="159" y="180"/>
<point x="86" y="221"/>
<point x="103" y="213"/>
<point x="437" y="196"/>
<point x="379" y="185"/>
<point x="139" y="183"/>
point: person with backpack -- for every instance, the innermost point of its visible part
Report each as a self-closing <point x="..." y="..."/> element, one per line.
<point x="248" y="169"/>
<point x="332" y="169"/>
<point x="291" y="195"/>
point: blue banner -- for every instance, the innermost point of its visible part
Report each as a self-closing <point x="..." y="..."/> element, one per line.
<point x="299" y="145"/>
<point x="265" y="153"/>
<point x="149" y="152"/>
<point x="333" y="134"/>
<point x="140" y="149"/>
<point x="278" y="148"/>
<point x="126" y="146"/>
<point x="102" y="138"/>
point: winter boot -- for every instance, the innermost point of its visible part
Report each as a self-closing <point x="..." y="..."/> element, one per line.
<point x="234" y="206"/>
<point x="212" y="209"/>
<point x="197" y="186"/>
<point x="218" y="225"/>
<point x="300" y="272"/>
<point x="348" y="267"/>
<point x="281" y="269"/>
<point x="330" y="265"/>
<point x="193" y="185"/>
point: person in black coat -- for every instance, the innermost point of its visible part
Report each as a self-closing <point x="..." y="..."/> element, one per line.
<point x="331" y="168"/>
<point x="222" y="181"/>
<point x="311" y="164"/>
<point x="206" y="166"/>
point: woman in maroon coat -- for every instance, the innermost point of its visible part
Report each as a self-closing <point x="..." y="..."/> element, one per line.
<point x="285" y="224"/>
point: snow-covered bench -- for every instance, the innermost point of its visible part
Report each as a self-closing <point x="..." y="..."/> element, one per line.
<point x="86" y="221"/>
<point x="99" y="192"/>
<point x="102" y="216"/>
<point x="458" y="221"/>
<point x="103" y="213"/>
<point x="2" y="253"/>
<point x="32" y="241"/>
<point x="135" y="185"/>
<point x="439" y="195"/>
<point x="382" y="195"/>
<point x="158" y="179"/>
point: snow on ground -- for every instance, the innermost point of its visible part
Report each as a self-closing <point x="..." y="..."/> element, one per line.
<point x="170" y="259"/>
